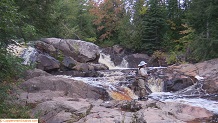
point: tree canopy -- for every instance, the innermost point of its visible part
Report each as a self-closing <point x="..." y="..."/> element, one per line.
<point x="180" y="26"/>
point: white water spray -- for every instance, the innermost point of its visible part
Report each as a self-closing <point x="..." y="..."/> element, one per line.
<point x="29" y="55"/>
<point x="106" y="59"/>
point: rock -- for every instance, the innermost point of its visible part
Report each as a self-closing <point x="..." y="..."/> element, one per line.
<point x="35" y="73"/>
<point x="86" y="67"/>
<point x="62" y="109"/>
<point x="185" y="112"/>
<point x="79" y="50"/>
<point x="118" y="49"/>
<point x="170" y="112"/>
<point x="98" y="114"/>
<point x="44" y="47"/>
<point x="98" y="67"/>
<point x="39" y="97"/>
<point x="206" y="70"/>
<point x="82" y="67"/>
<point x="134" y="59"/>
<point x="70" y="87"/>
<point x="116" y="53"/>
<point x="69" y="62"/>
<point x="47" y="63"/>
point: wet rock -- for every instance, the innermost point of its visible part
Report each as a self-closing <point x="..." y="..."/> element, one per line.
<point x="206" y="70"/>
<point x="134" y="59"/>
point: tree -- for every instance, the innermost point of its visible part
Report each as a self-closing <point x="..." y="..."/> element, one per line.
<point x="149" y="20"/>
<point x="39" y="19"/>
<point x="9" y="18"/>
<point x="205" y="23"/>
<point x="175" y="15"/>
<point x="9" y="29"/>
<point x="108" y="15"/>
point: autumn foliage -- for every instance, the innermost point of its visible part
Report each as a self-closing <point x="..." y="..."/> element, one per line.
<point x="108" y="15"/>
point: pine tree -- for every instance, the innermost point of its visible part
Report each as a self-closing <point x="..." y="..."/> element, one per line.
<point x="202" y="16"/>
<point x="151" y="25"/>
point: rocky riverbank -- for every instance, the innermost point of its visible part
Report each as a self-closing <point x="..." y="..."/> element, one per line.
<point x="92" y="93"/>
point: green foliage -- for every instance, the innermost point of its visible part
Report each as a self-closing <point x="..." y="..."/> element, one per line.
<point x="92" y="39"/>
<point x="108" y="15"/>
<point x="139" y="25"/>
<point x="172" y="58"/>
<point x="203" y="49"/>
<point x="8" y="108"/>
<point x="106" y="43"/>
<point x="205" y="23"/>
<point x="9" y="18"/>
<point x="28" y="31"/>
<point x="176" y="57"/>
<point x="8" y="70"/>
<point x="149" y="25"/>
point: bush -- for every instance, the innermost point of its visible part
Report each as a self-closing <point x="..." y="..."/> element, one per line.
<point x="10" y="66"/>
<point x="175" y="57"/>
<point x="10" y="70"/>
<point x="8" y="108"/>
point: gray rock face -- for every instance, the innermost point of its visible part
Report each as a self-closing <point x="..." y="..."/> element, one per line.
<point x="47" y="63"/>
<point x="67" y="54"/>
<point x="81" y="51"/>
<point x="69" y="62"/>
<point x="42" y="46"/>
<point x="135" y="59"/>
<point x="207" y="70"/>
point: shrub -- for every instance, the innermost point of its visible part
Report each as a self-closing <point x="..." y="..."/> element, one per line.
<point x="10" y="66"/>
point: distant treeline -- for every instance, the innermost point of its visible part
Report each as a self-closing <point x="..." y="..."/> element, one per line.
<point x="187" y="28"/>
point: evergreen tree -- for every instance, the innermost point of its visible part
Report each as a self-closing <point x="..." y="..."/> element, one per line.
<point x="175" y="15"/>
<point x="149" y="20"/>
<point x="202" y="16"/>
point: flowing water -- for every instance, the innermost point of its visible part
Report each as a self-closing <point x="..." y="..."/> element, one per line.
<point x="117" y="79"/>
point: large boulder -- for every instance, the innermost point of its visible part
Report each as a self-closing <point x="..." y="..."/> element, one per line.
<point x="206" y="71"/>
<point x="47" y="48"/>
<point x="134" y="59"/>
<point x="47" y="63"/>
<point x="79" y="50"/>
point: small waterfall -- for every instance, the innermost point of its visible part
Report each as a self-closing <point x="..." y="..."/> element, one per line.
<point x="155" y="84"/>
<point x="106" y="59"/>
<point x="29" y="55"/>
<point x="124" y="63"/>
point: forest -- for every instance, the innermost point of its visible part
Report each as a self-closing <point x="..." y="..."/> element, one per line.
<point x="186" y="30"/>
